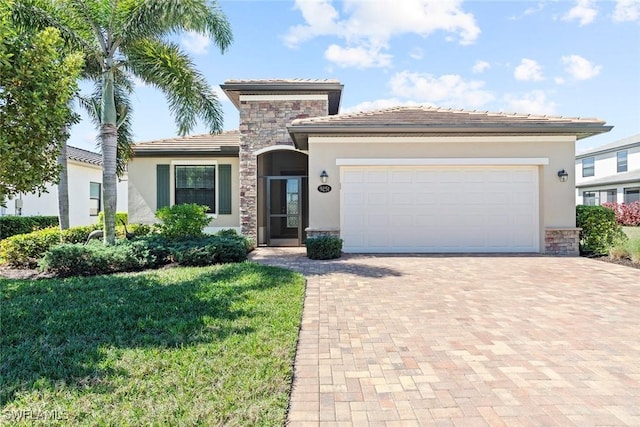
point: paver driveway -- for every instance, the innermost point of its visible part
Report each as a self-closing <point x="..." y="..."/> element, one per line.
<point x="465" y="340"/>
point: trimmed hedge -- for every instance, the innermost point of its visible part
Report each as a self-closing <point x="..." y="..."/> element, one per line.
<point x="600" y="230"/>
<point x="324" y="247"/>
<point x="14" y="225"/>
<point x="120" y="217"/>
<point x="146" y="252"/>
<point x="24" y="250"/>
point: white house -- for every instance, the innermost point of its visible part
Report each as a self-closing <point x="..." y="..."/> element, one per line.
<point x="610" y="173"/>
<point x="85" y="192"/>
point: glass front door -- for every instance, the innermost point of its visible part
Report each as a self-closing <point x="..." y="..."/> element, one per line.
<point x="284" y="223"/>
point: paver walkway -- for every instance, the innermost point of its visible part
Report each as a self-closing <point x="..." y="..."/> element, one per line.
<point x="465" y="341"/>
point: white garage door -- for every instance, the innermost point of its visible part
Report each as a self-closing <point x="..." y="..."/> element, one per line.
<point x="439" y="209"/>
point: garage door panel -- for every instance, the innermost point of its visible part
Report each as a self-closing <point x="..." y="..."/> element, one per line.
<point x="437" y="209"/>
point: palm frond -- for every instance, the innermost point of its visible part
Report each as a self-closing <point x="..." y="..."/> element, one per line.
<point x="153" y="19"/>
<point x="189" y="96"/>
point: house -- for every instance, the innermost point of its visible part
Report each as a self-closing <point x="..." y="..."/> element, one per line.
<point x="84" y="170"/>
<point x="610" y="173"/>
<point x="407" y="179"/>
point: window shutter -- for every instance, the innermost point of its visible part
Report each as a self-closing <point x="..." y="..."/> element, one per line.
<point x="162" y="186"/>
<point x="224" y="190"/>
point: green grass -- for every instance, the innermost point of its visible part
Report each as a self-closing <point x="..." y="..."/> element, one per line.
<point x="632" y="232"/>
<point x="183" y="346"/>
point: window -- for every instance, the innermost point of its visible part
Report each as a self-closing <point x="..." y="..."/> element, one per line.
<point x="196" y="184"/>
<point x="95" y="195"/>
<point x="631" y="195"/>
<point x="593" y="198"/>
<point x="588" y="166"/>
<point x="622" y="160"/>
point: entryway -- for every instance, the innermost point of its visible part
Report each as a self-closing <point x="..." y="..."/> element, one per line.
<point x="282" y="197"/>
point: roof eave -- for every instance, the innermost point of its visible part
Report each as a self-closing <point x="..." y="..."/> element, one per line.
<point x="300" y="133"/>
<point x="187" y="153"/>
<point x="333" y="90"/>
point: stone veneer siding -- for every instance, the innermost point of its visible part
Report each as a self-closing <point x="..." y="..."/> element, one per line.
<point x="264" y="124"/>
<point x="562" y="241"/>
<point x="314" y="232"/>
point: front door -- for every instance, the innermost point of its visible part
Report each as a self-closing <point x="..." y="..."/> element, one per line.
<point x="284" y="213"/>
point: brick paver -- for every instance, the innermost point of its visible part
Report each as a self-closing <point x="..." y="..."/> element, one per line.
<point x="465" y="341"/>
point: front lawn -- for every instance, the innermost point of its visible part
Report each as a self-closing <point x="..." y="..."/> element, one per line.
<point x="181" y="346"/>
<point x="632" y="232"/>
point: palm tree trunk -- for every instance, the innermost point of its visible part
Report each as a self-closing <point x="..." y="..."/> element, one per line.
<point x="63" y="189"/>
<point x="109" y="140"/>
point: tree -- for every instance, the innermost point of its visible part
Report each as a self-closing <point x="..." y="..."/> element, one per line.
<point x="129" y="38"/>
<point x="37" y="80"/>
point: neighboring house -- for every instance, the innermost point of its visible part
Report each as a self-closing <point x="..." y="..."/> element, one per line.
<point x="610" y="173"/>
<point x="408" y="179"/>
<point x="85" y="192"/>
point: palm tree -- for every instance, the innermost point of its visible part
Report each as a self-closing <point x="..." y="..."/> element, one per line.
<point x="126" y="39"/>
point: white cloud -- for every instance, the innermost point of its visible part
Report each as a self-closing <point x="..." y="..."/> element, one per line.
<point x="579" y="68"/>
<point x="449" y="90"/>
<point x="372" y="24"/>
<point x="528" y="70"/>
<point x="195" y="43"/>
<point x="416" y="53"/>
<point x="534" y="102"/>
<point x="584" y="11"/>
<point x="559" y="80"/>
<point x="529" y="11"/>
<point x="357" y="57"/>
<point x="626" y="10"/>
<point x="480" y="67"/>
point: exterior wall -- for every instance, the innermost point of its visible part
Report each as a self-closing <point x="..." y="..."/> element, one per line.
<point x="606" y="166"/>
<point x="263" y="123"/>
<point x="143" y="189"/>
<point x="79" y="176"/>
<point x="557" y="199"/>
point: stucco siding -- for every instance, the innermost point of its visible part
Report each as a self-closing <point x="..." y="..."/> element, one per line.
<point x="80" y="175"/>
<point x="143" y="194"/>
<point x="557" y="199"/>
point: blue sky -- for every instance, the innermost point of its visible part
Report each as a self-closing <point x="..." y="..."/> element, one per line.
<point x="570" y="58"/>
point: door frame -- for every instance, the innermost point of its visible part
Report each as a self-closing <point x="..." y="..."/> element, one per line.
<point x="269" y="215"/>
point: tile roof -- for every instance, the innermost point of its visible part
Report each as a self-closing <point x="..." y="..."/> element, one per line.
<point x="84" y="156"/>
<point x="613" y="146"/>
<point x="280" y="81"/>
<point x="225" y="143"/>
<point x="433" y="120"/>
<point x="424" y="115"/>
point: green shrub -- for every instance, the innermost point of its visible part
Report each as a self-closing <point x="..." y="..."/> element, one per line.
<point x="120" y="217"/>
<point x="249" y="244"/>
<point x="629" y="249"/>
<point x="230" y="249"/>
<point x="184" y="220"/>
<point x="139" y="230"/>
<point x="14" y="225"/>
<point x="198" y="256"/>
<point x="600" y="230"/>
<point x="87" y="260"/>
<point x="24" y="250"/>
<point x="78" y="234"/>
<point x="324" y="247"/>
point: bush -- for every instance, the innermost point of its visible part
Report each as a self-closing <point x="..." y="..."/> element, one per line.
<point x="198" y="256"/>
<point x="120" y="217"/>
<point x="600" y="230"/>
<point x="78" y="234"/>
<point x="184" y="220"/>
<point x="324" y="247"/>
<point x="249" y="244"/>
<point x="14" y="225"/>
<point x="24" y="250"/>
<point x="629" y="249"/>
<point x="87" y="260"/>
<point x="626" y="213"/>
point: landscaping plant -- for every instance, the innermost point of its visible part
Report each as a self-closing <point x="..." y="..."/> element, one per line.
<point x="324" y="247"/>
<point x="600" y="230"/>
<point x="184" y="220"/>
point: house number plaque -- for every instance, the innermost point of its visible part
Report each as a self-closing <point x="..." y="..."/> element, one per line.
<point x="324" y="188"/>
